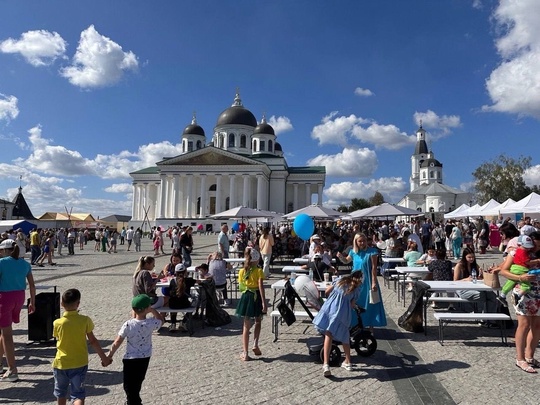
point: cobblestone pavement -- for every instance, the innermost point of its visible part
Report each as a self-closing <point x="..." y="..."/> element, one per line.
<point x="407" y="368"/>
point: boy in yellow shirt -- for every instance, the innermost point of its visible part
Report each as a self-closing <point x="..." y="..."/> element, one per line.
<point x="71" y="361"/>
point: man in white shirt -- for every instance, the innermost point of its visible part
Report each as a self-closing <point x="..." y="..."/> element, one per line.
<point x="223" y="241"/>
<point x="129" y="237"/>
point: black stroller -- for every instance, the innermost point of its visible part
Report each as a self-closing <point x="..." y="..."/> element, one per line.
<point x="361" y="340"/>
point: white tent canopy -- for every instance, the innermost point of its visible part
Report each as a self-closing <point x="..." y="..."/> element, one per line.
<point x="531" y="203"/>
<point x="496" y="210"/>
<point x="457" y="213"/>
<point x="383" y="210"/>
<point x="476" y="210"/>
<point x="315" y="212"/>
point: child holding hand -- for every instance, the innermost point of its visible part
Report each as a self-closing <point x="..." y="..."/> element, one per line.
<point x="138" y="332"/>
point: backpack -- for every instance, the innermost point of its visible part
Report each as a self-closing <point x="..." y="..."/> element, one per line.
<point x="215" y="315"/>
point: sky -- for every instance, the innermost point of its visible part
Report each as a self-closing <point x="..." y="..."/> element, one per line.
<point x="93" y="90"/>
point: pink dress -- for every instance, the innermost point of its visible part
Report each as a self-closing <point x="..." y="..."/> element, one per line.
<point x="494" y="235"/>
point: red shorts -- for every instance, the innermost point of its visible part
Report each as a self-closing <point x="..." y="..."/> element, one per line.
<point x="11" y="303"/>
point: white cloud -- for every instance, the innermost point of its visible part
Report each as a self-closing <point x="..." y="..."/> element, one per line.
<point x="513" y="85"/>
<point x="392" y="188"/>
<point x="359" y="91"/>
<point x="120" y="188"/>
<point x="58" y="160"/>
<point x="532" y="176"/>
<point x="98" y="62"/>
<point x="383" y="136"/>
<point x="280" y="124"/>
<point x="441" y="125"/>
<point x="39" y="48"/>
<point x="360" y="162"/>
<point x="8" y="107"/>
<point x="477" y="4"/>
<point x="335" y="130"/>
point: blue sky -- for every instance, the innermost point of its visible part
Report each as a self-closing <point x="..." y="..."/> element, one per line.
<point x="92" y="90"/>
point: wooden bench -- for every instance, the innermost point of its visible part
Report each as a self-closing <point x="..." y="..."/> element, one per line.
<point x="276" y="318"/>
<point x="447" y="317"/>
<point x="186" y="311"/>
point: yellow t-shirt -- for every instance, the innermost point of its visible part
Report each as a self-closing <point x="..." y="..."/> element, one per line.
<point x="71" y="347"/>
<point x="34" y="238"/>
<point x="252" y="281"/>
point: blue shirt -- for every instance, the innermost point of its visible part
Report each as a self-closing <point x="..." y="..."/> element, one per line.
<point x="13" y="274"/>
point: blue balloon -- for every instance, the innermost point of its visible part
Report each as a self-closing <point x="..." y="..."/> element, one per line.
<point x="304" y="226"/>
<point x="235" y="226"/>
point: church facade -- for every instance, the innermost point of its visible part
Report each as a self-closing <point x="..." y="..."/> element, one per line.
<point x="427" y="192"/>
<point x="243" y="164"/>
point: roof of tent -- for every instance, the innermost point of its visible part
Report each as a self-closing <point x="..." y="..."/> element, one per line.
<point x="457" y="212"/>
<point x="531" y="203"/>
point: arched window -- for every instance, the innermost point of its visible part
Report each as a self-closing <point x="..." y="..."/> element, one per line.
<point x="431" y="175"/>
<point x="270" y="146"/>
<point x="243" y="141"/>
<point x="231" y="140"/>
<point x="221" y="141"/>
<point x="262" y="146"/>
<point x="184" y="142"/>
<point x="424" y="175"/>
<point x="254" y="146"/>
<point x="190" y="146"/>
<point x="199" y="145"/>
<point x="213" y="187"/>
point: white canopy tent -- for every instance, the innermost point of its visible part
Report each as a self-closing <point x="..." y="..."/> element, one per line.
<point x="383" y="210"/>
<point x="316" y="212"/>
<point x="531" y="203"/>
<point x="496" y="210"/>
<point x="457" y="213"/>
<point x="477" y="211"/>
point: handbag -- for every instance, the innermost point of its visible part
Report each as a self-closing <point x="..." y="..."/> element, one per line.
<point x="491" y="279"/>
<point x="287" y="314"/>
<point x="374" y="296"/>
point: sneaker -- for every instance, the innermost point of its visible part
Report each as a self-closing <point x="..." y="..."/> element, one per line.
<point x="326" y="370"/>
<point x="9" y="376"/>
<point x="347" y="366"/>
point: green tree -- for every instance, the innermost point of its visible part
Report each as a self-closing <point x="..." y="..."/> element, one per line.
<point x="501" y="179"/>
<point x="343" y="208"/>
<point x="358" y="204"/>
<point x="377" y="199"/>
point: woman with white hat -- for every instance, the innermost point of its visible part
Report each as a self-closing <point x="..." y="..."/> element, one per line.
<point x="252" y="303"/>
<point x="14" y="273"/>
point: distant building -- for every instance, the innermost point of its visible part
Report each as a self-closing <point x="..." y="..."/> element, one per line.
<point x="242" y="165"/>
<point x="16" y="209"/>
<point x="428" y="194"/>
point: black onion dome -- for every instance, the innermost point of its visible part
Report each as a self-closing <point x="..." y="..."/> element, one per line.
<point x="431" y="163"/>
<point x="193" y="129"/>
<point x="264" y="128"/>
<point x="237" y="115"/>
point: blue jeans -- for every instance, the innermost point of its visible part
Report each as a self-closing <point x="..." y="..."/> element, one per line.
<point x="36" y="252"/>
<point x="72" y="378"/>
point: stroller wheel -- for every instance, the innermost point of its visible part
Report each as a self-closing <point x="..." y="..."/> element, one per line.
<point x="365" y="346"/>
<point x="335" y="356"/>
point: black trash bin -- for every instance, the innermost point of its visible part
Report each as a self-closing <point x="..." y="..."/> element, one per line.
<point x="40" y="323"/>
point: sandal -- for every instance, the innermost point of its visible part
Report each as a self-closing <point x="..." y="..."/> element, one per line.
<point x="533" y="362"/>
<point x="256" y="351"/>
<point x="245" y="357"/>
<point x="522" y="364"/>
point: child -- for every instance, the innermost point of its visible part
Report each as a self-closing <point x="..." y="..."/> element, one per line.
<point x="428" y="257"/>
<point x="138" y="332"/>
<point x="203" y="271"/>
<point x="520" y="266"/>
<point x="252" y="303"/>
<point x="71" y="361"/>
<point x="334" y="317"/>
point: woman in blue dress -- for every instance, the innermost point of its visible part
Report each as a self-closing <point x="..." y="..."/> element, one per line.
<point x="365" y="259"/>
<point x="334" y="318"/>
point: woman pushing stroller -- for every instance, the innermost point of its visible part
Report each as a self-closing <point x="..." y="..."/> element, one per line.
<point x="334" y="318"/>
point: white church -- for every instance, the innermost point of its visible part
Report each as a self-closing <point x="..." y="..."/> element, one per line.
<point x="427" y="192"/>
<point x="243" y="164"/>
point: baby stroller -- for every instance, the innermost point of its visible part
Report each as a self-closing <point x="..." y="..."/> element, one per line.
<point x="361" y="340"/>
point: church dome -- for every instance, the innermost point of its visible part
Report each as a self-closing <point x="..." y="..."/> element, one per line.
<point x="430" y="163"/>
<point x="264" y="128"/>
<point x="237" y="115"/>
<point x="193" y="129"/>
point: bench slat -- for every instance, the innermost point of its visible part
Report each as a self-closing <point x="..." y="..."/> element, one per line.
<point x="452" y="316"/>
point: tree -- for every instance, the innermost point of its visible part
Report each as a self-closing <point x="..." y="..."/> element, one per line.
<point x="342" y="208"/>
<point x="377" y="199"/>
<point x="358" y="204"/>
<point x="501" y="179"/>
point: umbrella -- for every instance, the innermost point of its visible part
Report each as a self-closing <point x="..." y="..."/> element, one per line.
<point x="383" y="210"/>
<point x="243" y="212"/>
<point x="315" y="212"/>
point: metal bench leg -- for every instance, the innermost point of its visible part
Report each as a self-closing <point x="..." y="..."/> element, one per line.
<point x="441" y="332"/>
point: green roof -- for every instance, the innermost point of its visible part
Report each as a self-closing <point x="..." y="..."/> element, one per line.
<point x="308" y="169"/>
<point x="148" y="170"/>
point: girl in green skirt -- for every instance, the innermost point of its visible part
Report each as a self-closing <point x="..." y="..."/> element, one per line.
<point x="252" y="303"/>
